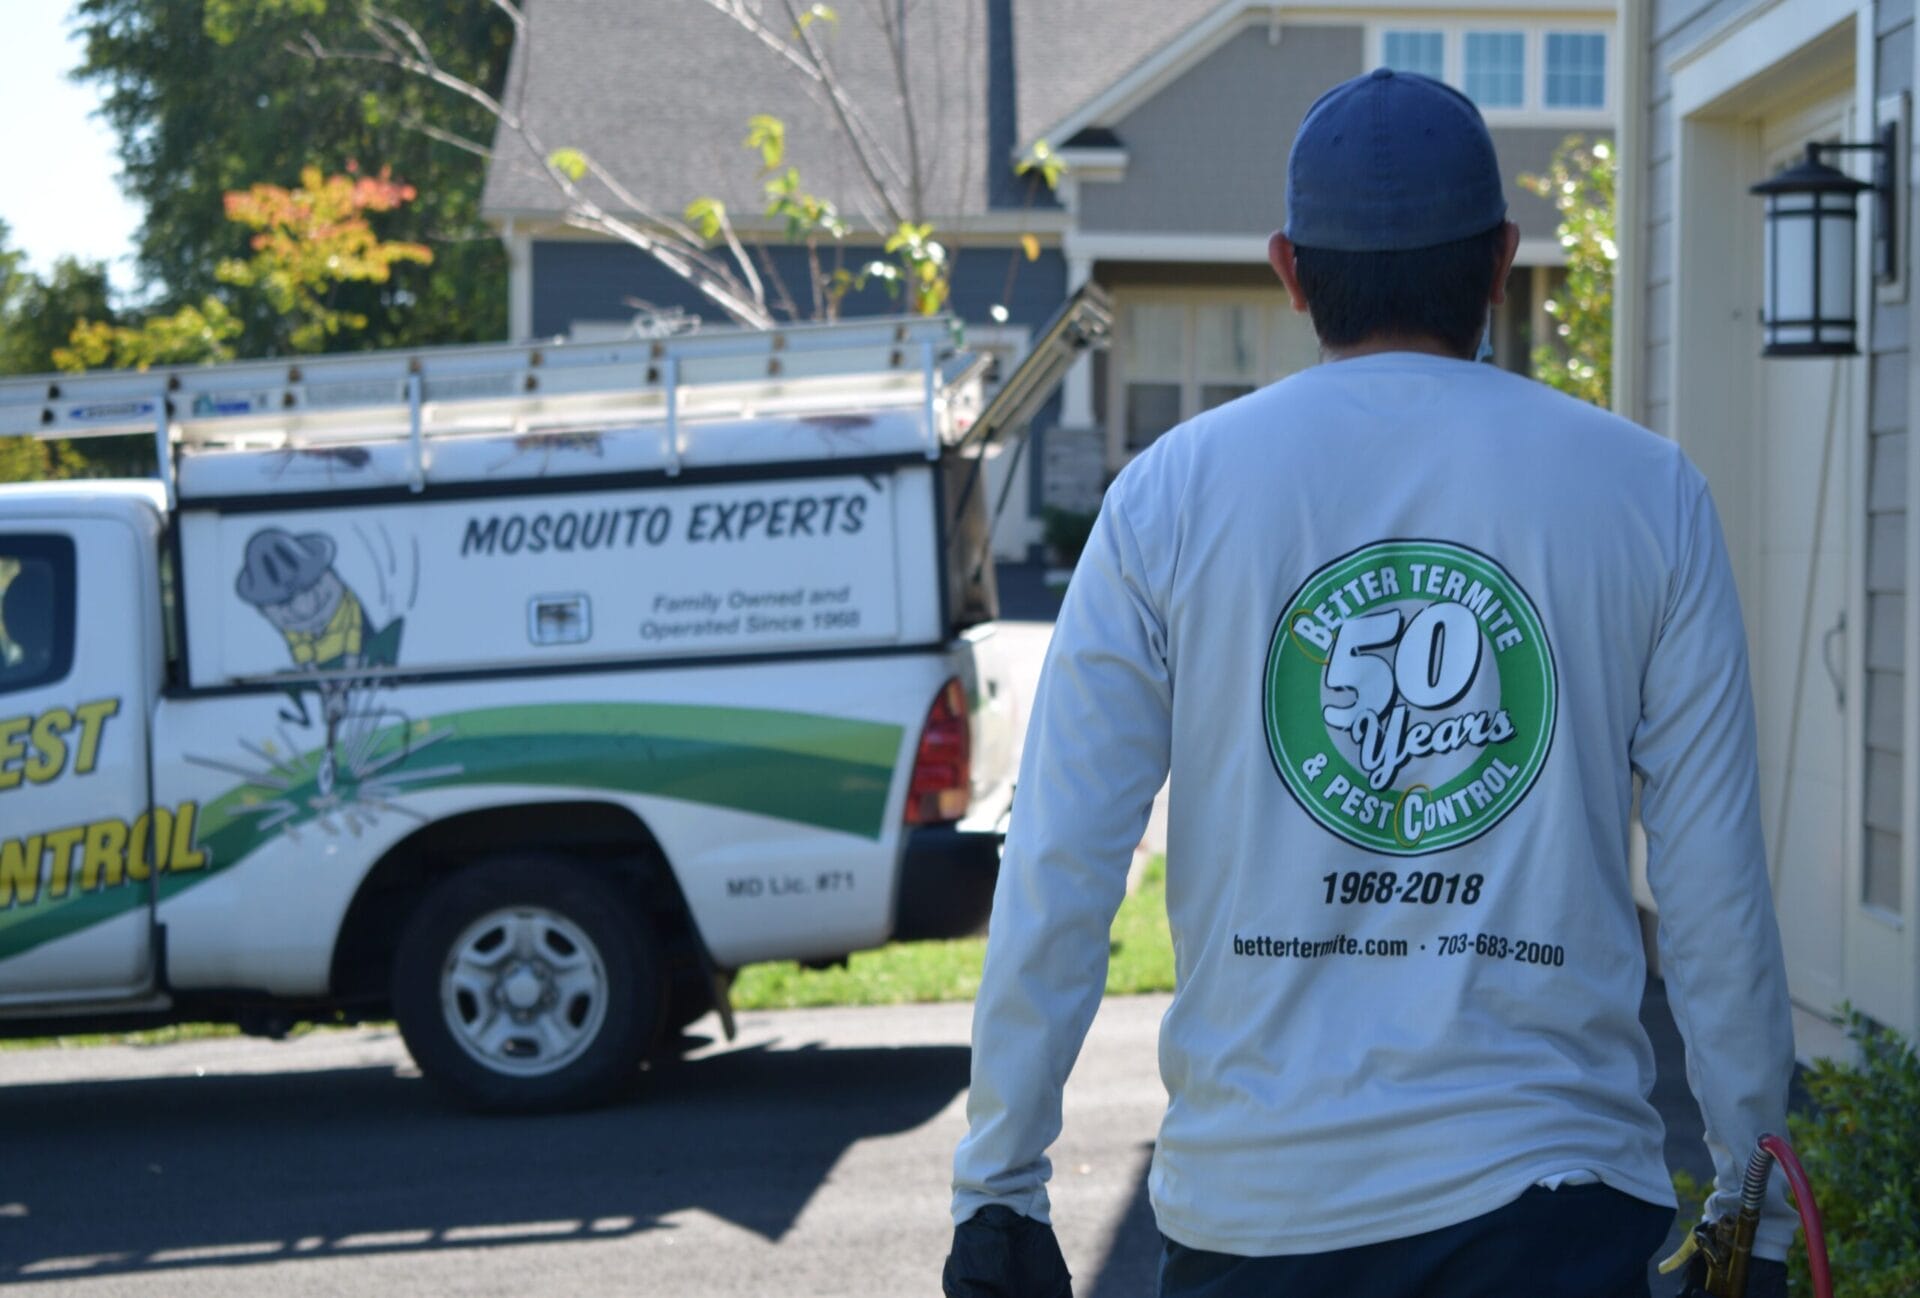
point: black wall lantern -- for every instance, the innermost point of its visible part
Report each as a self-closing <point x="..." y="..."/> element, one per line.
<point x="1811" y="213"/>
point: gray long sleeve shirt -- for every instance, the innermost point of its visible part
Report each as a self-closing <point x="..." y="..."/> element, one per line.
<point x="1403" y="628"/>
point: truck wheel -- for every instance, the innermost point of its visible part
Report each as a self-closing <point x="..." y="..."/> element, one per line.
<point x="526" y="984"/>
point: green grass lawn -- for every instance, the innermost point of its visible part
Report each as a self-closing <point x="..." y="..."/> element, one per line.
<point x="148" y="1037"/>
<point x="1140" y="960"/>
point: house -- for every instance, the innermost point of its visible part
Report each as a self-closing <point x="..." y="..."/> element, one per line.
<point x="1174" y="118"/>
<point x="1807" y="455"/>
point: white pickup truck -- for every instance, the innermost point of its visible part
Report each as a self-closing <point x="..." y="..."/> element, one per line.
<point x="522" y="693"/>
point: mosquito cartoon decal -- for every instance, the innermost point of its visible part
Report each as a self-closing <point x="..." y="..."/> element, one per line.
<point x="334" y="635"/>
<point x="292" y="582"/>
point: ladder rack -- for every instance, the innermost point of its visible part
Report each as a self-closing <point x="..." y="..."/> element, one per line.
<point x="425" y="394"/>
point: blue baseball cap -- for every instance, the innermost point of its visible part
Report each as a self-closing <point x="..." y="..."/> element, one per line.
<point x="1391" y="161"/>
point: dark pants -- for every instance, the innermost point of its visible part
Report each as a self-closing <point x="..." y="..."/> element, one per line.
<point x="1581" y="1241"/>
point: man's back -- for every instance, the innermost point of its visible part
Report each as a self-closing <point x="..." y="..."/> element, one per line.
<point x="1402" y="628"/>
<point x="1411" y="612"/>
<point x="1410" y="961"/>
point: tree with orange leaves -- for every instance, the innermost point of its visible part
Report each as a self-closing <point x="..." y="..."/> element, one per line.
<point x="307" y="242"/>
<point x="312" y="239"/>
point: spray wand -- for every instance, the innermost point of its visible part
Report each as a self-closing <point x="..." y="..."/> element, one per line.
<point x="1726" y="1246"/>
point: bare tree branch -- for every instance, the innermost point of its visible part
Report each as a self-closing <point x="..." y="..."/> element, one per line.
<point x="677" y="247"/>
<point x="741" y="308"/>
<point x="407" y="32"/>
<point x="514" y="16"/>
<point x="316" y="49"/>
<point x="778" y="281"/>
<point x="635" y="204"/>
<point x="740" y="257"/>
<point x="870" y="150"/>
<point x="767" y="36"/>
<point x="969" y="113"/>
<point x="868" y="153"/>
<point x="432" y="132"/>
<point x="893" y="27"/>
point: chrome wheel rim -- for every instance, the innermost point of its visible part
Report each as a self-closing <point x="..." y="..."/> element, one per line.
<point x="524" y="991"/>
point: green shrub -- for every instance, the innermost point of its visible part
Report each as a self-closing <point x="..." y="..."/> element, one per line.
<point x="1066" y="533"/>
<point x="1692" y="1193"/>
<point x="1861" y="1148"/>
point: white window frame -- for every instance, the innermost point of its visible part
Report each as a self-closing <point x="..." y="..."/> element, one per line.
<point x="1606" y="69"/>
<point x="1533" y="110"/>
<point x="1413" y="28"/>
<point x="1267" y="303"/>
<point x="1530" y="47"/>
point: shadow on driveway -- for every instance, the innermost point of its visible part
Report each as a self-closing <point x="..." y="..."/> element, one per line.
<point x="140" y="1176"/>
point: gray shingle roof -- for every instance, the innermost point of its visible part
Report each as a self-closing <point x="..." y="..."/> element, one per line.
<point x="659" y="91"/>
<point x="1069" y="51"/>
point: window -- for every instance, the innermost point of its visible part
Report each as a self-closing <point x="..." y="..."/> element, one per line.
<point x="1422" y="52"/>
<point x="1496" y="69"/>
<point x="1576" y="70"/>
<point x="36" y="610"/>
<point x="1522" y="70"/>
<point x="1181" y="355"/>
<point x="1226" y="354"/>
<point x="1156" y="368"/>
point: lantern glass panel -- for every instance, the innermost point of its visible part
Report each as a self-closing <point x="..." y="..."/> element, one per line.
<point x="1790" y="262"/>
<point x="1770" y="278"/>
<point x="1836" y="266"/>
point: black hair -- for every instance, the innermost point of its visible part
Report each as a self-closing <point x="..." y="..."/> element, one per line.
<point x="1438" y="292"/>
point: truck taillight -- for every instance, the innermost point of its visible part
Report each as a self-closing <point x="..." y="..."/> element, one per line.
<point x="943" y="769"/>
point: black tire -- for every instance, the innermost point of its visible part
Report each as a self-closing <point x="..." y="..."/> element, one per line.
<point x="487" y="939"/>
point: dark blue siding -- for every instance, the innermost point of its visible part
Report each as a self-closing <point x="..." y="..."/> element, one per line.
<point x="603" y="281"/>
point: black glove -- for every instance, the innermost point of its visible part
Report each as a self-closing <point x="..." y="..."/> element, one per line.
<point x="997" y="1253"/>
<point x="1764" y="1279"/>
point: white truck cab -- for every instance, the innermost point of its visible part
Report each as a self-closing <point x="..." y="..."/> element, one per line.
<point x="522" y="693"/>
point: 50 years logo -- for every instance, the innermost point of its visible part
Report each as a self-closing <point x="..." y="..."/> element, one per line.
<point x="1409" y="696"/>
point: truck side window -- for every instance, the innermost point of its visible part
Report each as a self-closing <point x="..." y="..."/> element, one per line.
<point x="36" y="610"/>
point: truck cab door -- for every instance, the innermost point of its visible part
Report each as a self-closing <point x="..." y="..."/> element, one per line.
<point x="78" y="666"/>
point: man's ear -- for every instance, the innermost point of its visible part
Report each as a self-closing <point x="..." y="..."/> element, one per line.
<point x="1503" y="261"/>
<point x="1280" y="257"/>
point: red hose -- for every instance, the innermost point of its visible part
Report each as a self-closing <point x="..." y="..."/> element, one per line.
<point x="1809" y="1213"/>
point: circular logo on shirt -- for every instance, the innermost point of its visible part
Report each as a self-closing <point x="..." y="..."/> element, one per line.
<point x="1409" y="696"/>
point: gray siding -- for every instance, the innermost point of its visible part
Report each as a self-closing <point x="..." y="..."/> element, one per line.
<point x="1888" y="421"/>
<point x="1208" y="154"/>
<point x="1676" y="26"/>
<point x="580" y="279"/>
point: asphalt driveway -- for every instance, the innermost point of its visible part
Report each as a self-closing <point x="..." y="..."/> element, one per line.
<point x="808" y="1158"/>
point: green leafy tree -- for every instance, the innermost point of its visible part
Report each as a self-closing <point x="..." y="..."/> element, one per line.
<point x="38" y="313"/>
<point x="308" y="245"/>
<point x="1579" y="182"/>
<point x="211" y="96"/>
<point x="28" y="459"/>
<point x="32" y="309"/>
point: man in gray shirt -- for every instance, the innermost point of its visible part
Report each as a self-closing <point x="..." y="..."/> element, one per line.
<point x="1403" y="628"/>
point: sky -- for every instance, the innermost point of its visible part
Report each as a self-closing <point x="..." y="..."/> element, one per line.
<point x="59" y="189"/>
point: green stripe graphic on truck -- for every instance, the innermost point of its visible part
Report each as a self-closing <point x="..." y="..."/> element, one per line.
<point x="826" y="772"/>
